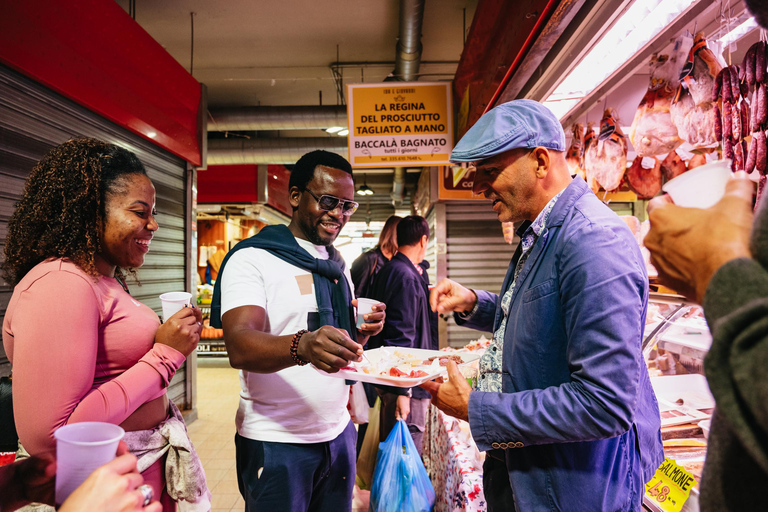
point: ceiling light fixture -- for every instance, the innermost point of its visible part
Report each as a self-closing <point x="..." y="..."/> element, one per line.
<point x="343" y="133"/>
<point x="364" y="189"/>
<point x="734" y="35"/>
<point x="334" y="129"/>
<point x="639" y="24"/>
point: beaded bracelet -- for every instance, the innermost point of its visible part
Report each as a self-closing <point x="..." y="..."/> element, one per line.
<point x="295" y="348"/>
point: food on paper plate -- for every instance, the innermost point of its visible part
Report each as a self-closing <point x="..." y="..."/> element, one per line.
<point x="403" y="364"/>
<point x="443" y="359"/>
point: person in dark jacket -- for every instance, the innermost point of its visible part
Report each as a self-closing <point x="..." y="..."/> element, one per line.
<point x="367" y="265"/>
<point x="404" y="284"/>
<point x="718" y="257"/>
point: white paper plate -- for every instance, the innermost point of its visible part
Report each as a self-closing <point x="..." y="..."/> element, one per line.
<point x="377" y="354"/>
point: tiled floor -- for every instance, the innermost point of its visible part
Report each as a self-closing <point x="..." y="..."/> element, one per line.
<point x="213" y="434"/>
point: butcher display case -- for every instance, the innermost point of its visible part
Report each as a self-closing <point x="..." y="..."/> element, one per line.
<point x="675" y="343"/>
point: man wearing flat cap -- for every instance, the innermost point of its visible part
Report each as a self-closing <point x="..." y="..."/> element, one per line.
<point x="564" y="405"/>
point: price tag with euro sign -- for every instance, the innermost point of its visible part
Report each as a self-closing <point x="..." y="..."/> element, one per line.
<point x="670" y="486"/>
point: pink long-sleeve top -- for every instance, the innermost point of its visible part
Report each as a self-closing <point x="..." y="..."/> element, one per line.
<point x="82" y="349"/>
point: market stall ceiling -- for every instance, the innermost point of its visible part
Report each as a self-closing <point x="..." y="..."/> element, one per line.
<point x="251" y="53"/>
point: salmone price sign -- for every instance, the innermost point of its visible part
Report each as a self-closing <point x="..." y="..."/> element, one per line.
<point x="399" y="124"/>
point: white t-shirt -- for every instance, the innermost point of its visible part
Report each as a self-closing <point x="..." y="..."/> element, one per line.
<point x="297" y="404"/>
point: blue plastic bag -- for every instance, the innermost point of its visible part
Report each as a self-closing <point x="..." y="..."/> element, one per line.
<point x="400" y="482"/>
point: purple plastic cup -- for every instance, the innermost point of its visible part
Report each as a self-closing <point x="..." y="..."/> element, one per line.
<point x="80" y="449"/>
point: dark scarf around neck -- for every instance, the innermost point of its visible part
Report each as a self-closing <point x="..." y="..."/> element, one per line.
<point x="332" y="291"/>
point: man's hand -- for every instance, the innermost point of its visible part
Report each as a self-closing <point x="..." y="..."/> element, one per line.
<point x="374" y="321"/>
<point x="450" y="296"/>
<point x="329" y="348"/>
<point x="451" y="397"/>
<point x="688" y="245"/>
<point x="403" y="407"/>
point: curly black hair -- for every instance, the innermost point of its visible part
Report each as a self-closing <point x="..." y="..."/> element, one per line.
<point x="62" y="210"/>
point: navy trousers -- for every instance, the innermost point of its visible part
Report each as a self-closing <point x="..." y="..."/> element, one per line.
<point x="316" y="477"/>
<point x="498" y="491"/>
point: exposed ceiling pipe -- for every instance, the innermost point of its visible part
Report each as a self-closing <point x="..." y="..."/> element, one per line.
<point x="277" y="118"/>
<point x="285" y="151"/>
<point x="398" y="187"/>
<point x="408" y="57"/>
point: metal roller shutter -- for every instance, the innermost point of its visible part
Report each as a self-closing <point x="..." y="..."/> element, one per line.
<point x="34" y="119"/>
<point x="477" y="256"/>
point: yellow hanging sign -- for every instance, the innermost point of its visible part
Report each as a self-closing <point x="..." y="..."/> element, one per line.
<point x="670" y="486"/>
<point x="399" y="124"/>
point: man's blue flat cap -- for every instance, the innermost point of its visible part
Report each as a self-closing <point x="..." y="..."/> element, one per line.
<point x="517" y="124"/>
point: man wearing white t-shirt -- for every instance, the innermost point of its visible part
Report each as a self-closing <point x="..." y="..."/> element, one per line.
<point x="284" y="298"/>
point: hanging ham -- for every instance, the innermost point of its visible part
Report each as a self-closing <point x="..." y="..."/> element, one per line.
<point x="653" y="132"/>
<point x="590" y="154"/>
<point x="609" y="160"/>
<point x="644" y="177"/>
<point x="574" y="157"/>
<point x="700" y="70"/>
<point x="672" y="166"/>
<point x="693" y="111"/>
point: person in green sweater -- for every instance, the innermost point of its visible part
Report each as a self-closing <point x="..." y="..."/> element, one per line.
<point x="718" y="257"/>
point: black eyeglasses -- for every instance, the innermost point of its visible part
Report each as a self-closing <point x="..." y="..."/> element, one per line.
<point x="330" y="203"/>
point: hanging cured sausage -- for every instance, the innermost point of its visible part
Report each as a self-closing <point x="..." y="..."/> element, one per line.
<point x="754" y="84"/>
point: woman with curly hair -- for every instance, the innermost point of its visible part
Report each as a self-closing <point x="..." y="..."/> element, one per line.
<point x="82" y="348"/>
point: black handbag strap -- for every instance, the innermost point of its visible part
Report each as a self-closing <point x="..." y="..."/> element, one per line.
<point x="9" y="439"/>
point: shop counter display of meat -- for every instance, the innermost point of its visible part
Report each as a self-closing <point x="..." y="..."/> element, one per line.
<point x="675" y="342"/>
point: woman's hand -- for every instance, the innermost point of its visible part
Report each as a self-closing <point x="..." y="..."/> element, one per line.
<point x="26" y="481"/>
<point x="114" y="487"/>
<point x="182" y="330"/>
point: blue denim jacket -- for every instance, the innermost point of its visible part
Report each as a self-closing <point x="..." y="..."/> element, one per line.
<point x="577" y="416"/>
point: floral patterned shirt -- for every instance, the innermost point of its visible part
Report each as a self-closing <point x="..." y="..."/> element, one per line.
<point x="491" y="361"/>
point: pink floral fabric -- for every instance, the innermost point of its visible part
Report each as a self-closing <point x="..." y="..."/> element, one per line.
<point x="453" y="463"/>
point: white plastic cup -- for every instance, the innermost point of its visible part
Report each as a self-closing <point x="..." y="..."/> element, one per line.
<point x="80" y="449"/>
<point x="173" y="302"/>
<point x="364" y="306"/>
<point x="700" y="187"/>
